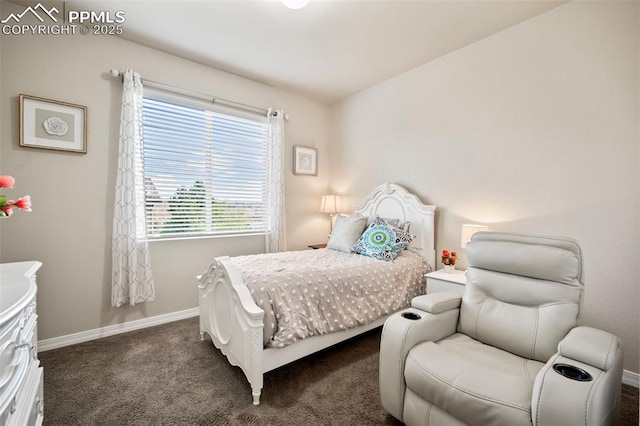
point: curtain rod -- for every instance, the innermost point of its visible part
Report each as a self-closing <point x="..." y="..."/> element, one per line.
<point x="209" y="98"/>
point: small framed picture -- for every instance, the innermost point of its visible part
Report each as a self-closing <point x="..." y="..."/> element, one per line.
<point x="49" y="124"/>
<point x="305" y="160"/>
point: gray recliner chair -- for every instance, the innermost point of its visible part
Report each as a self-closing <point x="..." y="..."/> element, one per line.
<point x="507" y="351"/>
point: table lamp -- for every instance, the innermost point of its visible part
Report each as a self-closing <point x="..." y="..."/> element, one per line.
<point x="331" y="204"/>
<point x="468" y="230"/>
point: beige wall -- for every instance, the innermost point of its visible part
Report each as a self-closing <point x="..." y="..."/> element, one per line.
<point x="533" y="130"/>
<point x="70" y="227"/>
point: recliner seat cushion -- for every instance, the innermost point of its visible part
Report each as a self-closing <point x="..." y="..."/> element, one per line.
<point x="477" y="383"/>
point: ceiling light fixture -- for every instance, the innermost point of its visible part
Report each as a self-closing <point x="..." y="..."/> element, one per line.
<point x="295" y="4"/>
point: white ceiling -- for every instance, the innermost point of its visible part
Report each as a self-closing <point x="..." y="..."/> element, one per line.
<point x="329" y="49"/>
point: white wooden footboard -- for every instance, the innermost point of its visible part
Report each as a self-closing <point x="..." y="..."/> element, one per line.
<point x="235" y="323"/>
<point x="233" y="320"/>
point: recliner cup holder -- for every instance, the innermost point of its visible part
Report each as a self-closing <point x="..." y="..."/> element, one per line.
<point x="411" y="316"/>
<point x="572" y="372"/>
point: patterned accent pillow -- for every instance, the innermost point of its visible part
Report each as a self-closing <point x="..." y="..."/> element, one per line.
<point x="382" y="241"/>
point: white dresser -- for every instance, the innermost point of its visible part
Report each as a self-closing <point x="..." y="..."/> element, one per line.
<point x="21" y="377"/>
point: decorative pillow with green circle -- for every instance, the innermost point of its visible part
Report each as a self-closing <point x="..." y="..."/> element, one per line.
<point x="382" y="241"/>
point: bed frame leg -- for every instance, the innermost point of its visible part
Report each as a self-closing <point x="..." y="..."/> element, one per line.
<point x="256" y="396"/>
<point x="202" y="336"/>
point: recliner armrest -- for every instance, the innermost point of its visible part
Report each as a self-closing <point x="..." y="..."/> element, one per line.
<point x="560" y="399"/>
<point x="400" y="333"/>
<point x="436" y="303"/>
<point x="590" y="346"/>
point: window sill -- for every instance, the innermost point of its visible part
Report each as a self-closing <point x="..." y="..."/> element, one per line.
<point x="202" y="237"/>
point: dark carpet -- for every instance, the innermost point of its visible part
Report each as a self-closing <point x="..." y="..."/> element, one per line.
<point x="166" y="376"/>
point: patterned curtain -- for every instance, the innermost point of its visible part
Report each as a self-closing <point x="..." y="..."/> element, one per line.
<point x="276" y="239"/>
<point x="132" y="280"/>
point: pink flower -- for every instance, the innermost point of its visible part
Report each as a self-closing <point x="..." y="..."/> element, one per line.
<point x="7" y="181"/>
<point x="6" y="206"/>
<point x="24" y="203"/>
<point x="7" y="210"/>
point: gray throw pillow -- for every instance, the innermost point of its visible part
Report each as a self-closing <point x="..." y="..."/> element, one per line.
<point x="346" y="232"/>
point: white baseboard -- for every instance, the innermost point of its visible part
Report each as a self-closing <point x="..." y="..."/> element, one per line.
<point x="111" y="330"/>
<point x="630" y="378"/>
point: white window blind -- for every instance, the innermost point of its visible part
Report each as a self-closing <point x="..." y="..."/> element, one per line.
<point x="204" y="171"/>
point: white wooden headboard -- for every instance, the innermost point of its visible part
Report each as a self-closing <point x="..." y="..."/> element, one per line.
<point x="393" y="201"/>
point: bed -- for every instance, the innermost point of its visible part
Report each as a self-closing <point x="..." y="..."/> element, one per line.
<point x="241" y="325"/>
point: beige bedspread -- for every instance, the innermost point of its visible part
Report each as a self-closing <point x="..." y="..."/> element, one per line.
<point x="310" y="292"/>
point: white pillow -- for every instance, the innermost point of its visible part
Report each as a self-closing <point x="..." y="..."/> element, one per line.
<point x="404" y="226"/>
<point x="346" y="232"/>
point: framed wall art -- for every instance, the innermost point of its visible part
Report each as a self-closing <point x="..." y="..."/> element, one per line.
<point x="305" y="160"/>
<point x="49" y="124"/>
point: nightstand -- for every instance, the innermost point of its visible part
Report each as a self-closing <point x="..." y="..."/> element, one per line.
<point x="317" y="246"/>
<point x="446" y="281"/>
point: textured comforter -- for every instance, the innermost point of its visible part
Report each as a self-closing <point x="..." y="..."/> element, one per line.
<point x="311" y="292"/>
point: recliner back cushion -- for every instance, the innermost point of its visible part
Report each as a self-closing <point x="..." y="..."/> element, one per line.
<point x="523" y="298"/>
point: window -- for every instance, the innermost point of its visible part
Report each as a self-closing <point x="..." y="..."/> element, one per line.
<point x="204" y="171"/>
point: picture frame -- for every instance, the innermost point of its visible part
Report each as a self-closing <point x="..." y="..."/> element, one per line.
<point x="305" y="160"/>
<point x="50" y="124"/>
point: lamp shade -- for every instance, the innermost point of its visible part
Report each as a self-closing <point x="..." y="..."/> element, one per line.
<point x="331" y="204"/>
<point x="467" y="232"/>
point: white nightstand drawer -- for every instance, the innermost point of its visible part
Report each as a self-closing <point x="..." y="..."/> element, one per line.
<point x="445" y="281"/>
